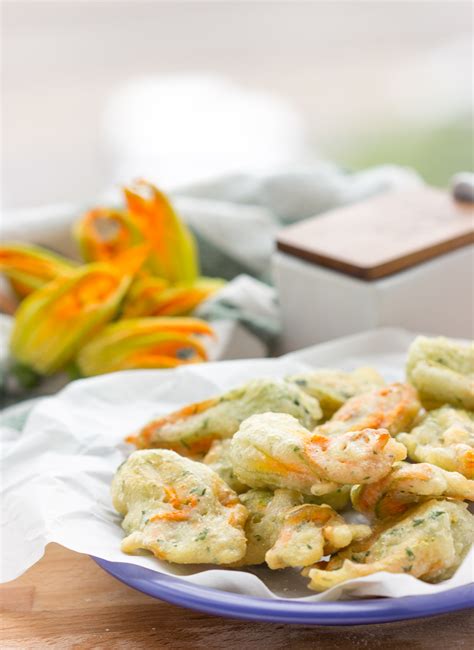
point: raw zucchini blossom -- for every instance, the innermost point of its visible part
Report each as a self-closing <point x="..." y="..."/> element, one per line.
<point x="30" y="267"/>
<point x="143" y="295"/>
<point x="173" y="253"/>
<point x="151" y="296"/>
<point x="54" y="322"/>
<point x="104" y="234"/>
<point x="144" y="343"/>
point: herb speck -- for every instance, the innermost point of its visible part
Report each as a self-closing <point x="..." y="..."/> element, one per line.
<point x="202" y="535"/>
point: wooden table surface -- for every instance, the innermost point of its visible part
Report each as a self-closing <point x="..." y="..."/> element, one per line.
<point x="67" y="601"/>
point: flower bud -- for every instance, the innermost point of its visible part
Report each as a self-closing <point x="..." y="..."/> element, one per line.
<point x="173" y="253"/>
<point x="103" y="234"/>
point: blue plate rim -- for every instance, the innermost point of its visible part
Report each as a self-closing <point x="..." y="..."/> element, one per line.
<point x="220" y="603"/>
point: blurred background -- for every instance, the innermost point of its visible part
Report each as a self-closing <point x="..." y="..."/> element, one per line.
<point x="95" y="92"/>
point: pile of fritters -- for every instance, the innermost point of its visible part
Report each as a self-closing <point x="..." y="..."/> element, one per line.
<point x="261" y="473"/>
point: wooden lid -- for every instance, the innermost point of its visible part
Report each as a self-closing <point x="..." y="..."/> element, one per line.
<point x="382" y="235"/>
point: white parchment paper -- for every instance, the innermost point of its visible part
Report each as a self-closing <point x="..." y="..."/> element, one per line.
<point x="56" y="474"/>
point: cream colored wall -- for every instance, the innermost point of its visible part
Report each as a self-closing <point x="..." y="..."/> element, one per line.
<point x="344" y="65"/>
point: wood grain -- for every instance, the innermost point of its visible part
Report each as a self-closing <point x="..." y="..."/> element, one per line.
<point x="383" y="235"/>
<point x="67" y="601"/>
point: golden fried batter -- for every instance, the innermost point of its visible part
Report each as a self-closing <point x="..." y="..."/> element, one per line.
<point x="393" y="407"/>
<point x="407" y="484"/>
<point x="428" y="542"/>
<point x="218" y="459"/>
<point x="442" y="370"/>
<point x="338" y="499"/>
<point x="266" y="441"/>
<point x="178" y="509"/>
<point x="308" y="533"/>
<point x="445" y="438"/>
<point x="191" y="430"/>
<point x="332" y="388"/>
<point x="274" y="450"/>
<point x="267" y="511"/>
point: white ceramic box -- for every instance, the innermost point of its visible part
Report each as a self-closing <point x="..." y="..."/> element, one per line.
<point x="318" y="304"/>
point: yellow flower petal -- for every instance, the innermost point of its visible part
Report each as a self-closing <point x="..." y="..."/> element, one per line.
<point x="56" y="320"/>
<point x="144" y="343"/>
<point x="30" y="267"/>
